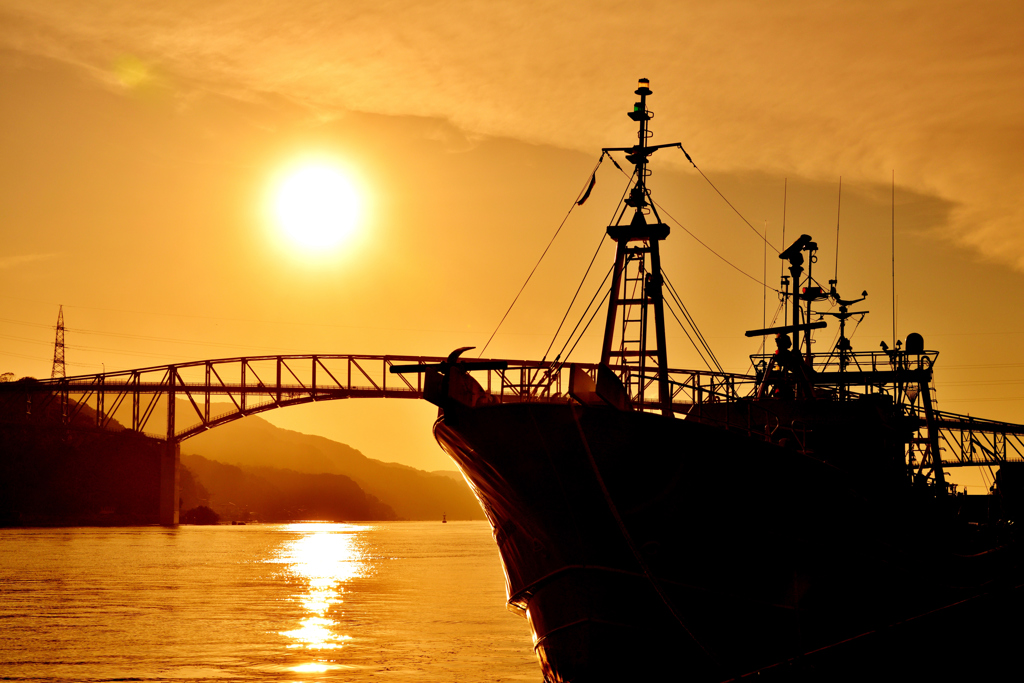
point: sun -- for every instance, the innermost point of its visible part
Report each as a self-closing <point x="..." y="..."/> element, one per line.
<point x="317" y="206"/>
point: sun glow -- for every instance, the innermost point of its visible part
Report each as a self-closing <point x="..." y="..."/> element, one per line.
<point x="317" y="206"/>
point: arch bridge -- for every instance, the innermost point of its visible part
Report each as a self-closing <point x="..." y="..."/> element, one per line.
<point x="176" y="401"/>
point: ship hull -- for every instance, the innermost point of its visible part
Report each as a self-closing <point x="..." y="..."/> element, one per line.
<point x="634" y="542"/>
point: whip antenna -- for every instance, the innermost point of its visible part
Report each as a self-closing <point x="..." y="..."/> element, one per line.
<point x="892" y="251"/>
<point x="838" y="212"/>
<point x="764" y="277"/>
<point x="782" y="270"/>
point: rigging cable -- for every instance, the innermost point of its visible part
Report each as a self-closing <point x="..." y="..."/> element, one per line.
<point x="696" y="330"/>
<point x="726" y="200"/>
<point x="698" y="240"/>
<point x="727" y="261"/>
<point x="584" y="315"/>
<point x="596" y="310"/>
<point x="683" y="327"/>
<point x="583" y="281"/>
<point x="580" y="198"/>
<point x="571" y="303"/>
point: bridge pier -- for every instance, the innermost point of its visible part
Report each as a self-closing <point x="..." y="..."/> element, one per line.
<point x="170" y="477"/>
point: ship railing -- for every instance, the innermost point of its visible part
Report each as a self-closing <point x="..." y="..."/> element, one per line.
<point x="965" y="441"/>
<point x="699" y="387"/>
<point x="859" y="364"/>
<point x="531" y="381"/>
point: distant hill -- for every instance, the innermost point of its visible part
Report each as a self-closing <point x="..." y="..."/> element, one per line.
<point x="252" y="443"/>
<point x="54" y="476"/>
<point x="454" y="475"/>
<point x="273" y="494"/>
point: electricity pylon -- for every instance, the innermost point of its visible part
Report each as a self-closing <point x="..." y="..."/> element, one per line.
<point x="58" y="348"/>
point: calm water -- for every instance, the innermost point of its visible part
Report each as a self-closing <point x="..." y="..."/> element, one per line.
<point x="396" y="601"/>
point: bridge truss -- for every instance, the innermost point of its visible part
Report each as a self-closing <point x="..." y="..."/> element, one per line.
<point x="174" y="402"/>
<point x="971" y="442"/>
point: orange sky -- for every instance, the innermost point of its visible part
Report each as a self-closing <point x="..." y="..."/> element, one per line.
<point x="140" y="142"/>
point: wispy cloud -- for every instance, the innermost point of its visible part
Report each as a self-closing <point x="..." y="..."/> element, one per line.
<point x="7" y="262"/>
<point x="933" y="90"/>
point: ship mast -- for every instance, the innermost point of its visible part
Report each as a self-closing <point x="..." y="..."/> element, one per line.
<point x="636" y="289"/>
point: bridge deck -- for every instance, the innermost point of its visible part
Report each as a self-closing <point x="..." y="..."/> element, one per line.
<point x="214" y="392"/>
<point x="148" y="399"/>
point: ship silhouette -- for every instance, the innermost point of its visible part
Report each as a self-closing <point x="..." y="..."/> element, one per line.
<point x="713" y="525"/>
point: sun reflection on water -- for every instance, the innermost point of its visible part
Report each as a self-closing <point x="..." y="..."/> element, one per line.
<point x="321" y="559"/>
<point x="311" y="668"/>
